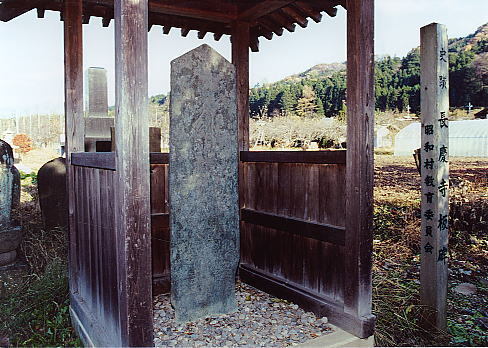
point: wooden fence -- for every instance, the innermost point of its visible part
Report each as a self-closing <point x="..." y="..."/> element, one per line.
<point x="292" y="230"/>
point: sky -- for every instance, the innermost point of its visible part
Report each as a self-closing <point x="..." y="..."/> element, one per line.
<point x="31" y="49"/>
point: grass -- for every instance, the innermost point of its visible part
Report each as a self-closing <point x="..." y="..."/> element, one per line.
<point x="396" y="301"/>
<point x="34" y="301"/>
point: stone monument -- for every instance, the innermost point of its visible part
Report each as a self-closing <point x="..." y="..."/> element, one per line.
<point x="203" y="191"/>
<point x="97" y="122"/>
<point x="51" y="185"/>
<point x="10" y="232"/>
<point x="96" y="93"/>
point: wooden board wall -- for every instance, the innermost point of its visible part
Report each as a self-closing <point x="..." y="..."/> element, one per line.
<point x="95" y="299"/>
<point x="310" y="193"/>
<point x="160" y="229"/>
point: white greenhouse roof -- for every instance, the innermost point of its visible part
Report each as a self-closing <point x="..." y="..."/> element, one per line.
<point x="467" y="138"/>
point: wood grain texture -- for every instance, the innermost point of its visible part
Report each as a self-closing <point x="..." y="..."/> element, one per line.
<point x="283" y="230"/>
<point x="74" y="124"/>
<point x="240" y="59"/>
<point x="359" y="167"/>
<point x="132" y="204"/>
<point x="319" y="157"/>
<point x="434" y="103"/>
<point x="96" y="300"/>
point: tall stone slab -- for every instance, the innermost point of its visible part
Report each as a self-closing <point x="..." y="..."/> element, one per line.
<point x="96" y="94"/>
<point x="97" y="122"/>
<point x="204" y="214"/>
<point x="53" y="198"/>
<point x="10" y="233"/>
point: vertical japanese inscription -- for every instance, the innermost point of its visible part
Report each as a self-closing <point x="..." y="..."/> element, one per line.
<point x="435" y="172"/>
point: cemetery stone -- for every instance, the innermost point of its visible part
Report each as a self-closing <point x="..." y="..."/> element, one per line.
<point x="10" y="232"/>
<point x="204" y="214"/>
<point x="51" y="185"/>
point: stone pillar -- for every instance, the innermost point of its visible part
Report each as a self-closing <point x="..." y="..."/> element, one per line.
<point x="96" y="94"/>
<point x="10" y="232"/>
<point x="97" y="122"/>
<point x="203" y="173"/>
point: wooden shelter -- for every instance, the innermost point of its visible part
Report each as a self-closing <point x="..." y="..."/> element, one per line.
<point x="306" y="217"/>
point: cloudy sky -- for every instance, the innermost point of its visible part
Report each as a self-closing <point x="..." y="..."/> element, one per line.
<point x="31" y="55"/>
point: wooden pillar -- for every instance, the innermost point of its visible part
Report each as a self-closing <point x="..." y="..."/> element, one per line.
<point x="359" y="167"/>
<point x="74" y="122"/>
<point x="434" y="103"/>
<point x="132" y="196"/>
<point x="240" y="58"/>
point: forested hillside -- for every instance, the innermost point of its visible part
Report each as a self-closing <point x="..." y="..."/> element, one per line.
<point x="321" y="90"/>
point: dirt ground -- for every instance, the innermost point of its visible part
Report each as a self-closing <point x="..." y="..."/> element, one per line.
<point x="34" y="159"/>
<point x="397" y="250"/>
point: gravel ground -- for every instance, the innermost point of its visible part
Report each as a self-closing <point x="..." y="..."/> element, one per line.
<point x="260" y="320"/>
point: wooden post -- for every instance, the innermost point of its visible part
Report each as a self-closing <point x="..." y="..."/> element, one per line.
<point x="359" y="165"/>
<point x="132" y="196"/>
<point x="74" y="126"/>
<point x="240" y="58"/>
<point x="434" y="103"/>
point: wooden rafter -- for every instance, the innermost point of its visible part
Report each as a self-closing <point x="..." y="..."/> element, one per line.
<point x="9" y="9"/>
<point x="266" y="18"/>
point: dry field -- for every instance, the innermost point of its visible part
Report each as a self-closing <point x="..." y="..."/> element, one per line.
<point x="397" y="249"/>
<point x="34" y="303"/>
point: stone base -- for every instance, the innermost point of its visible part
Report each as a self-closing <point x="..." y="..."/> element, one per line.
<point x="10" y="238"/>
<point x="7" y="258"/>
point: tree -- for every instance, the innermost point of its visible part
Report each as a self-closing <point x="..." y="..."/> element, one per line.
<point x="23" y="142"/>
<point x="306" y="104"/>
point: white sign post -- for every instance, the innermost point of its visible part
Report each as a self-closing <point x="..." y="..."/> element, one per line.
<point x="434" y="102"/>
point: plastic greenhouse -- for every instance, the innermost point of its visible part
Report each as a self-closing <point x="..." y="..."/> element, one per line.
<point x="467" y="138"/>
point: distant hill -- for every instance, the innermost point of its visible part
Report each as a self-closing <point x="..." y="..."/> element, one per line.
<point x="318" y="71"/>
<point x="321" y="89"/>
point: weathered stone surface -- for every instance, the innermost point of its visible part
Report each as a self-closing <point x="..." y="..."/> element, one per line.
<point x="10" y="233"/>
<point x="8" y="257"/>
<point x="51" y="185"/>
<point x="96" y="95"/>
<point x="203" y="184"/>
<point x="97" y="129"/>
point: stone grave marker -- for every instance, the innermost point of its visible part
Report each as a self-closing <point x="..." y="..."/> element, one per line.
<point x="97" y="122"/>
<point x="204" y="214"/>
<point x="96" y="93"/>
<point x="51" y="185"/>
<point x="10" y="232"/>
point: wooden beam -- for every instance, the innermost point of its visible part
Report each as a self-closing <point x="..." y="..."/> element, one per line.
<point x="74" y="121"/>
<point x="309" y="10"/>
<point x="240" y="58"/>
<point x="218" y="36"/>
<point x="86" y="19"/>
<point x="309" y="229"/>
<point x="271" y="25"/>
<point x="224" y="13"/>
<point x="166" y="30"/>
<point x="41" y="12"/>
<point x="262" y="8"/>
<point x="184" y="32"/>
<point x="359" y="167"/>
<point x="286" y="21"/>
<point x="132" y="167"/>
<point x="9" y="9"/>
<point x="201" y="34"/>
<point x="318" y="157"/>
<point x="254" y="44"/>
<point x="297" y="17"/>
<point x="106" y="21"/>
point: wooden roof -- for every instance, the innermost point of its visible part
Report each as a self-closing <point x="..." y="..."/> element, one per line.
<point x="266" y="17"/>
